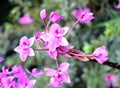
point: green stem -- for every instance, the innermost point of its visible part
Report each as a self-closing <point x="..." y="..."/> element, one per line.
<point x="72" y="28"/>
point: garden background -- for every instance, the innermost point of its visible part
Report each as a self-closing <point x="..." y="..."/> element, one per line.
<point x="103" y="30"/>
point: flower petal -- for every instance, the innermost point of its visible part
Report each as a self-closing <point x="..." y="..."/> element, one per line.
<point x="50" y="72"/>
<point x="31" y="53"/>
<point x="64" y="66"/>
<point x="66" y="78"/>
<point x="53" y="54"/>
<point x="31" y="40"/>
<point x="23" y="56"/>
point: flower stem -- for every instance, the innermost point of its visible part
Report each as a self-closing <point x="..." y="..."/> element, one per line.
<point x="56" y="62"/>
<point x="72" y="28"/>
<point x="110" y="64"/>
<point x="44" y="22"/>
<point x="48" y="26"/>
<point x="40" y="49"/>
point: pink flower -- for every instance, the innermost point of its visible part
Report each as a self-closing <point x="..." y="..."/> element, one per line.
<point x="1" y="59"/>
<point x="35" y="72"/>
<point x="57" y="31"/>
<point x="37" y="36"/>
<point x="24" y="48"/>
<point x="26" y="19"/>
<point x="55" y="17"/>
<point x="84" y="15"/>
<point x="111" y="80"/>
<point x="7" y="82"/>
<point x="54" y="39"/>
<point x="20" y="74"/>
<point x="101" y="54"/>
<point x="8" y="78"/>
<point x="118" y="5"/>
<point x="43" y="14"/>
<point x="58" y="76"/>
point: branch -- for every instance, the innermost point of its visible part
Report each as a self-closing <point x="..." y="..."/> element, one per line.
<point x="110" y="64"/>
<point x="81" y="56"/>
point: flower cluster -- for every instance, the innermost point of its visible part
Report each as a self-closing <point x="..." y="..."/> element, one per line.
<point x="55" y="43"/>
<point x="16" y="78"/>
<point x="58" y="76"/>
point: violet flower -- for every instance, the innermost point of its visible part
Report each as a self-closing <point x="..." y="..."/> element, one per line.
<point x="55" y="17"/>
<point x="26" y="19"/>
<point x="84" y="15"/>
<point x="58" y="76"/>
<point x="100" y="54"/>
<point x="111" y="80"/>
<point x="24" y="49"/>
<point x="37" y="36"/>
<point x="54" y="39"/>
<point x="16" y="78"/>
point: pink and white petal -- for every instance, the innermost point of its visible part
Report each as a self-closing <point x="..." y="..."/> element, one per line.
<point x="101" y="60"/>
<point x="65" y="30"/>
<point x="47" y="37"/>
<point x="23" y="56"/>
<point x="63" y="41"/>
<point x="31" y="52"/>
<point x="18" y="49"/>
<point x="99" y="49"/>
<point x="31" y="40"/>
<point x="53" y="44"/>
<point x="54" y="27"/>
<point x="23" y="39"/>
<point x="50" y="72"/>
<point x="31" y="84"/>
<point x="7" y="81"/>
<point x="64" y="66"/>
<point x="55" y="82"/>
<point x="53" y="54"/>
<point x="66" y="77"/>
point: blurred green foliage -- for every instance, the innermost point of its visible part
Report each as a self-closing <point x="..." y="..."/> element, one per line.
<point x="103" y="30"/>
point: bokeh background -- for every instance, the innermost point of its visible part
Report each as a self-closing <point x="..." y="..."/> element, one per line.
<point x="103" y="30"/>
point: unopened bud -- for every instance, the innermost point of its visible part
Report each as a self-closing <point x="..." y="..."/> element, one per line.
<point x="43" y="14"/>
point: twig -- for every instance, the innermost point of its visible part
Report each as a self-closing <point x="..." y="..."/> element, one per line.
<point x="108" y="63"/>
<point x="81" y="56"/>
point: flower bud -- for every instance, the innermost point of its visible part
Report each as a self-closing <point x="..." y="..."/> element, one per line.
<point x="43" y="14"/>
<point x="55" y="17"/>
